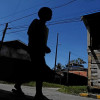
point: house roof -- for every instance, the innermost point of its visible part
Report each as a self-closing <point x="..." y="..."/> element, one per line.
<point x="16" y="44"/>
<point x="92" y="16"/>
<point x="15" y="49"/>
<point x="91" y="19"/>
<point x="75" y="68"/>
<point x="92" y="23"/>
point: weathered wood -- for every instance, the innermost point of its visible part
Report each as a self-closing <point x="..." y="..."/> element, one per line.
<point x="95" y="66"/>
<point x="93" y="70"/>
<point x="94" y="75"/>
<point x="89" y="70"/>
<point x="96" y="60"/>
<point x="95" y="82"/>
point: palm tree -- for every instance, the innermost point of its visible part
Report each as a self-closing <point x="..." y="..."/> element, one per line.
<point x="77" y="61"/>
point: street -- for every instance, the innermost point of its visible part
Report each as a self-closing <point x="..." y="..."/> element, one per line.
<point x="50" y="93"/>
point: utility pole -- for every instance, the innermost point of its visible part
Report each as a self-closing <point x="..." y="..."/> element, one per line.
<point x="56" y="53"/>
<point x="4" y="32"/>
<point x="68" y="69"/>
<point x="69" y="58"/>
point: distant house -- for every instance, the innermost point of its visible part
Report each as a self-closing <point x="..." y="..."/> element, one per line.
<point x="76" y="69"/>
<point x="73" y="75"/>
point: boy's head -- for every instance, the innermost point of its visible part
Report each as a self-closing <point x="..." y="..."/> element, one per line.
<point x="45" y="14"/>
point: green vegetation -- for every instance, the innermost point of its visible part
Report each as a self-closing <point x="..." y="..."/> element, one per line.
<point x="75" y="90"/>
<point x="33" y="84"/>
<point x="45" y="84"/>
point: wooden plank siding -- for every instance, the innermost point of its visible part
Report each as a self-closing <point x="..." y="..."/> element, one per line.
<point x="92" y="23"/>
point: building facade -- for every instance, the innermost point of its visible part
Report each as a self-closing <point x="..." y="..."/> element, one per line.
<point x="92" y="23"/>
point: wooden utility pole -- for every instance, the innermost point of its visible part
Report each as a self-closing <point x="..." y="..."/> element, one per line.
<point x="69" y="59"/>
<point x="68" y="69"/>
<point x="56" y="53"/>
<point x="4" y="32"/>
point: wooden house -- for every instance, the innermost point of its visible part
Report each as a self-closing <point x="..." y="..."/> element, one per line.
<point x="92" y="23"/>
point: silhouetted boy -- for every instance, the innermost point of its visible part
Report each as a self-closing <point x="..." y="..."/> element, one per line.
<point x="38" y="35"/>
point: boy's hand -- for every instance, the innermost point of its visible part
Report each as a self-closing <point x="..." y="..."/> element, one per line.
<point x="47" y="50"/>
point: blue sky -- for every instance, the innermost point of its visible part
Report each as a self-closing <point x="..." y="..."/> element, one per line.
<point x="66" y="21"/>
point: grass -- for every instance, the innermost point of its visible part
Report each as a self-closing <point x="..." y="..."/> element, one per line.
<point x="45" y="84"/>
<point x="75" y="90"/>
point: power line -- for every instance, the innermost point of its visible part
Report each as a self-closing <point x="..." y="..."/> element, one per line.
<point x="16" y="31"/>
<point x="71" y="19"/>
<point x="65" y="4"/>
<point x="20" y="18"/>
<point x="36" y="6"/>
<point x="23" y="10"/>
<point x="65" y="21"/>
<point x="77" y="19"/>
<point x="49" y="23"/>
<point x="20" y="27"/>
<point x="36" y="13"/>
<point x="62" y="22"/>
<point x="55" y="22"/>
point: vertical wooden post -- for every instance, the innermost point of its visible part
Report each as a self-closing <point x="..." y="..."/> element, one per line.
<point x="56" y="53"/>
<point x="68" y="69"/>
<point x="4" y="32"/>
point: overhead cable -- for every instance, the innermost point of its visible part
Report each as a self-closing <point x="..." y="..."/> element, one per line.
<point x="65" y="4"/>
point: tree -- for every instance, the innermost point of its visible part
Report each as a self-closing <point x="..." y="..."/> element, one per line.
<point x="81" y="61"/>
<point x="77" y="61"/>
<point x="59" y="67"/>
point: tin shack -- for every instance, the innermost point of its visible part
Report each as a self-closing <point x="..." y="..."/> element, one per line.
<point x="92" y="23"/>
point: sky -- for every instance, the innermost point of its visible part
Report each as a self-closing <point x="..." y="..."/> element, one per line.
<point x="66" y="21"/>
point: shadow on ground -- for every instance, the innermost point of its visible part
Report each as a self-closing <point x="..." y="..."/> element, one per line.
<point x="7" y="95"/>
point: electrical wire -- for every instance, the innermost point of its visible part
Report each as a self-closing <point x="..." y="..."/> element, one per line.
<point x="52" y="23"/>
<point x="65" y="4"/>
<point x="24" y="10"/>
<point x="66" y="20"/>
<point x="19" y="27"/>
<point x="49" y="23"/>
<point x="36" y="13"/>
<point x="16" y="31"/>
<point x="19" y="18"/>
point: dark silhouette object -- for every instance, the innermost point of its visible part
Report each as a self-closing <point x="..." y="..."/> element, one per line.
<point x="7" y="95"/>
<point x="37" y="47"/>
